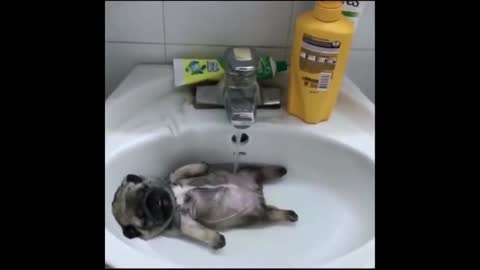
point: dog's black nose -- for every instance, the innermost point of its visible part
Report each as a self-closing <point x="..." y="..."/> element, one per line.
<point x="132" y="178"/>
<point x="130" y="232"/>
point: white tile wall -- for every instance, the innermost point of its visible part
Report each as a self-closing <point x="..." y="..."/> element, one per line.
<point x="129" y="21"/>
<point x="259" y="23"/>
<point x="202" y="51"/>
<point x="158" y="31"/>
<point x="120" y="58"/>
<point x="361" y="70"/>
<point x="364" y="37"/>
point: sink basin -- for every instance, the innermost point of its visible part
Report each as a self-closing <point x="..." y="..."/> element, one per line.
<point x="330" y="181"/>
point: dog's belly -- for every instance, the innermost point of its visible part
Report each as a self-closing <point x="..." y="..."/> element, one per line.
<point x="222" y="206"/>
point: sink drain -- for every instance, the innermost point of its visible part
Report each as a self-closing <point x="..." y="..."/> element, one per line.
<point x="243" y="139"/>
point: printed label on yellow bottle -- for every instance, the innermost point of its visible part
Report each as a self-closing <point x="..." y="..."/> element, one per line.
<point x="318" y="57"/>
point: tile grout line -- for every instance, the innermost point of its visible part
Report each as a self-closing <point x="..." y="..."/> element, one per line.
<point x="164" y="33"/>
<point x="214" y="45"/>
<point x="193" y="44"/>
<point x="285" y="53"/>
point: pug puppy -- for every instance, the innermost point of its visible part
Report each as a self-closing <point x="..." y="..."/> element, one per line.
<point x="196" y="200"/>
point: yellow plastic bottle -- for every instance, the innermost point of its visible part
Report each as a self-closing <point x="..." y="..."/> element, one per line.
<point x="320" y="53"/>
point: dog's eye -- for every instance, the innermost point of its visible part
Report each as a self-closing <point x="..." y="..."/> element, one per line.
<point x="132" y="178"/>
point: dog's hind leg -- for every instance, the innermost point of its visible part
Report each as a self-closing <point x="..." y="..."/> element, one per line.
<point x="263" y="174"/>
<point x="274" y="214"/>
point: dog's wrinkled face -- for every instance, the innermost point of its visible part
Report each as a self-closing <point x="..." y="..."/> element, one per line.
<point x="141" y="207"/>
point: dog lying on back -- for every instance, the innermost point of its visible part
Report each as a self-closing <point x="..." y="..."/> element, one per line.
<point x="197" y="200"/>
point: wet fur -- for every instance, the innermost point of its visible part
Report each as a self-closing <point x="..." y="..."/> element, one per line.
<point x="208" y="198"/>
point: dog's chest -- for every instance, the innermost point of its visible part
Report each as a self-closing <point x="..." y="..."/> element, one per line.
<point x="182" y="192"/>
<point x="216" y="201"/>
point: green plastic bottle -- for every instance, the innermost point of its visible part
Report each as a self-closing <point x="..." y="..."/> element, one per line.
<point x="267" y="67"/>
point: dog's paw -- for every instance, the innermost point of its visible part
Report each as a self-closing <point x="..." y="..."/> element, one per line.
<point x="272" y="172"/>
<point x="282" y="171"/>
<point x="291" y="216"/>
<point x="219" y="242"/>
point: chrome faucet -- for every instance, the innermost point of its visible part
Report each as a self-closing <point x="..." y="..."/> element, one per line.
<point x="238" y="92"/>
<point x="240" y="87"/>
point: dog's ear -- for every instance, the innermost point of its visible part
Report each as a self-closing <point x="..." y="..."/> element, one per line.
<point x="132" y="178"/>
<point x="130" y="232"/>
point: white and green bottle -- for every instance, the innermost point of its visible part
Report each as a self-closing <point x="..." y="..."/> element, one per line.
<point x="352" y="11"/>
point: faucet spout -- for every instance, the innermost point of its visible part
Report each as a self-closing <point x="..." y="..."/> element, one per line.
<point x="240" y="86"/>
<point x="241" y="106"/>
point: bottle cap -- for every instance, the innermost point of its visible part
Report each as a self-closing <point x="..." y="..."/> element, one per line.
<point x="328" y="11"/>
<point x="281" y="66"/>
<point x="330" y="4"/>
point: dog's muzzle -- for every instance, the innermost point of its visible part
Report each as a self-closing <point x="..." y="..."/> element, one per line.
<point x="158" y="205"/>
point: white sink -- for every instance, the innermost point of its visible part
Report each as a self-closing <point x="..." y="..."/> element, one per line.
<point x="152" y="128"/>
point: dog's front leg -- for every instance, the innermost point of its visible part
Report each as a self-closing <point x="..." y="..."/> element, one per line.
<point x="195" y="230"/>
<point x="189" y="170"/>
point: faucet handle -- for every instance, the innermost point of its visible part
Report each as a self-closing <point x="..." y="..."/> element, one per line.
<point x="241" y="60"/>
